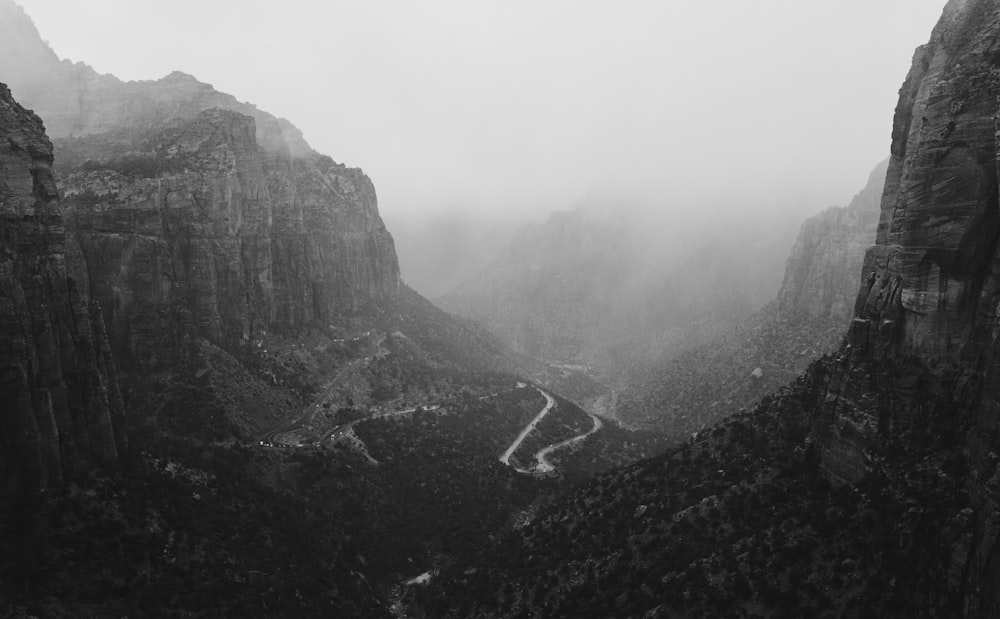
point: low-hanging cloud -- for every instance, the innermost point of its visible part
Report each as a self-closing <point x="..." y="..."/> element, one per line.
<point x="513" y="109"/>
<point x="527" y="105"/>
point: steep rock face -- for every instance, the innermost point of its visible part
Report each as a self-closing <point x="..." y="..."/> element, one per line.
<point x="60" y="405"/>
<point x="824" y="267"/>
<point x="920" y="373"/>
<point x="935" y="261"/>
<point x="188" y="209"/>
<point x="197" y="219"/>
<point x="932" y="282"/>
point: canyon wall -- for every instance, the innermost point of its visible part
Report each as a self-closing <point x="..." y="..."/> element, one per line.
<point x="195" y="220"/>
<point x="734" y="367"/>
<point x="191" y="212"/>
<point x="60" y="405"/>
<point x="919" y="375"/>
<point x="824" y="266"/>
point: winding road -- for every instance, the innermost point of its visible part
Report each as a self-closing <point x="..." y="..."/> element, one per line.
<point x="549" y="405"/>
<point x="543" y="466"/>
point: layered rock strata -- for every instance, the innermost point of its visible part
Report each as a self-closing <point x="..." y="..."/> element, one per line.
<point x="189" y="210"/>
<point x="920" y="373"/>
<point x="60" y="404"/>
<point x="824" y="266"/>
<point x="197" y="220"/>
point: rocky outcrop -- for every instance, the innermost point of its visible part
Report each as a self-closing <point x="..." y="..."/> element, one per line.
<point x="824" y="267"/>
<point x="60" y="405"/>
<point x="932" y="282"/>
<point x="934" y="269"/>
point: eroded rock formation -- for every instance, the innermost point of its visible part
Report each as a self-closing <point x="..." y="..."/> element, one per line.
<point x="824" y="267"/>
<point x="196" y="219"/>
<point x="60" y="404"/>
<point x="191" y="213"/>
<point x="920" y="376"/>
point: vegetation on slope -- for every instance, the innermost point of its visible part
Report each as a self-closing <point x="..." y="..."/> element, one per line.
<point x="733" y="370"/>
<point x="739" y="522"/>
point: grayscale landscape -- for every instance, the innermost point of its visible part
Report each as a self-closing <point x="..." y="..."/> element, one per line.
<point x="495" y="309"/>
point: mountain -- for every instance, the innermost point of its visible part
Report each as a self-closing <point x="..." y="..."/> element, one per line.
<point x="301" y="235"/>
<point x="821" y="275"/>
<point x="610" y="283"/>
<point x="218" y="398"/>
<point x="868" y="487"/>
<point x="669" y="326"/>
<point x="60" y="404"/>
<point x="735" y="367"/>
<point x="440" y="250"/>
<point x="231" y="262"/>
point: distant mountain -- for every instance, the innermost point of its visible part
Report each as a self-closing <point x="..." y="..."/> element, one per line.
<point x="821" y="275"/>
<point x="608" y="283"/>
<point x="441" y="249"/>
<point x="671" y="326"/>
<point x="735" y="367"/>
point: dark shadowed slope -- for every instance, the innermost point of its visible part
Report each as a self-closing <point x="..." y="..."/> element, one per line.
<point x="60" y="405"/>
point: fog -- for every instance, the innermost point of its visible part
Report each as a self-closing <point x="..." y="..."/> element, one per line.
<point x="493" y="114"/>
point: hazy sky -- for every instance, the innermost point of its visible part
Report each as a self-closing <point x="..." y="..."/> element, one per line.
<point x="516" y="105"/>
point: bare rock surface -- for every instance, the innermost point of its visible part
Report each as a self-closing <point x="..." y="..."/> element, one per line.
<point x="921" y="366"/>
<point x="60" y="404"/>
<point x="824" y="267"/>
<point x="181" y="196"/>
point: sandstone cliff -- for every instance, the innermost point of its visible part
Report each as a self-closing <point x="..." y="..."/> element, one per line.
<point x="824" y="267"/>
<point x="60" y="405"/>
<point x="919" y="378"/>
<point x="179" y="193"/>
<point x="236" y="268"/>
<point x="202" y="226"/>
<point x="195" y="218"/>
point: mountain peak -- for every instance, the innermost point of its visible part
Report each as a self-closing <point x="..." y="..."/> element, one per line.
<point x="179" y="76"/>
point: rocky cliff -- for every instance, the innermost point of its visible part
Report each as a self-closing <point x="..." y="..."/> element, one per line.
<point x="824" y="267"/>
<point x="923" y="344"/>
<point x="194" y="217"/>
<point x="179" y="194"/>
<point x="60" y="405"/>
<point x="202" y="226"/>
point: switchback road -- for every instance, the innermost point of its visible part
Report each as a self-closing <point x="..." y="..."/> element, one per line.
<point x="549" y="405"/>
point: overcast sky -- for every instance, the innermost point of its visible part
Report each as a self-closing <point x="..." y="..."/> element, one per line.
<point x="521" y="106"/>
